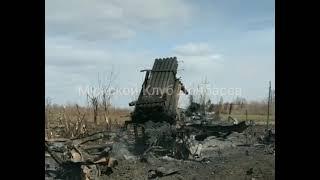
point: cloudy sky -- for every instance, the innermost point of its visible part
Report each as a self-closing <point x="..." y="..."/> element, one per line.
<point x="228" y="42"/>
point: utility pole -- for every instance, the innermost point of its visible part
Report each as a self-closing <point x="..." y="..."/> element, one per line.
<point x="269" y="99"/>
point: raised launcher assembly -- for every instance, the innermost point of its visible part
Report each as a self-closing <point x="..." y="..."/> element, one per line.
<point x="158" y="99"/>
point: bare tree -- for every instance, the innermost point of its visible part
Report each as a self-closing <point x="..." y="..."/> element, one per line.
<point x="102" y="98"/>
<point x="67" y="122"/>
<point x="81" y="127"/>
<point x="220" y="106"/>
<point x="93" y="99"/>
<point x="47" y="115"/>
<point x="240" y="102"/>
<point x="106" y="95"/>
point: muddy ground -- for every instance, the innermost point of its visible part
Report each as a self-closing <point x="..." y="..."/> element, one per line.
<point x="234" y="158"/>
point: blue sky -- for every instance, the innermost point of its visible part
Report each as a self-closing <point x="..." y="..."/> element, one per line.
<point x="229" y="42"/>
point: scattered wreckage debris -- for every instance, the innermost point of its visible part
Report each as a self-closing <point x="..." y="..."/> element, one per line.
<point x="80" y="162"/>
<point x="160" y="172"/>
<point x="162" y="139"/>
<point x="268" y="141"/>
<point x="186" y="142"/>
<point x="268" y="137"/>
<point x="204" y="131"/>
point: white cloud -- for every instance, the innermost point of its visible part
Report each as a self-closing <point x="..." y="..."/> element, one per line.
<point x="193" y="49"/>
<point x="112" y="19"/>
<point x="198" y="58"/>
<point x="73" y="54"/>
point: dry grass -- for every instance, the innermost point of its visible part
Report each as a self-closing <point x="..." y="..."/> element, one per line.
<point x="73" y="121"/>
<point x="256" y="111"/>
<point x="252" y="108"/>
<point x="116" y="115"/>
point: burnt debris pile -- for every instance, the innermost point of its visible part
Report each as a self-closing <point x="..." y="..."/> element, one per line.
<point x="157" y="130"/>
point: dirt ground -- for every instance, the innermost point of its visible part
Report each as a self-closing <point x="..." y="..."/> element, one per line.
<point x="234" y="164"/>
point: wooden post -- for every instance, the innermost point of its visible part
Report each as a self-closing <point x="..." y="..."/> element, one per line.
<point x="230" y="109"/>
<point x="269" y="96"/>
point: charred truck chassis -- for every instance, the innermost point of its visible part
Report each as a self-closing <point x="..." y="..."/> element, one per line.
<point x="158" y="98"/>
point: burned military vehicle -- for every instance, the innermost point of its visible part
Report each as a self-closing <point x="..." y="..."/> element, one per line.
<point x="156" y="118"/>
<point x="158" y="98"/>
